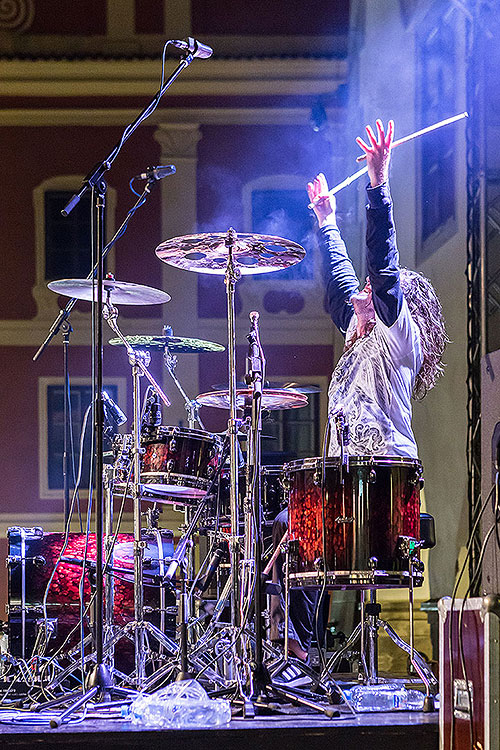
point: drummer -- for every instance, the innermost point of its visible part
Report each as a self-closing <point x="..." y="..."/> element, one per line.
<point x="394" y="341"/>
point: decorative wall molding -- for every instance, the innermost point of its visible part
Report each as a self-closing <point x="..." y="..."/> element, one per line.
<point x="50" y="117"/>
<point x="283" y="77"/>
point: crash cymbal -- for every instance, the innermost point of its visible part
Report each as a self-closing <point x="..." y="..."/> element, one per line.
<point x="120" y="292"/>
<point x="208" y="253"/>
<point x="299" y="387"/>
<point x="176" y="344"/>
<point x="278" y="398"/>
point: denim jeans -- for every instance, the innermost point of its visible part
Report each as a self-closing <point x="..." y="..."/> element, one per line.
<point x="302" y="602"/>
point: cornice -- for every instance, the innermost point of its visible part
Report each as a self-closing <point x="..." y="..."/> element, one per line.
<point x="272" y="76"/>
<point x="49" y="116"/>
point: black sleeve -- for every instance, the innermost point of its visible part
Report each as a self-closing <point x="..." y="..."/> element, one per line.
<point x="340" y="278"/>
<point x="382" y="256"/>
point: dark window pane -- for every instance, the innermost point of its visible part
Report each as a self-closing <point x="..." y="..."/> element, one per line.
<point x="80" y="399"/>
<point x="67" y="240"/>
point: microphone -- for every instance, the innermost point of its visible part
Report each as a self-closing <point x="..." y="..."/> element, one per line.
<point x="156" y="173"/>
<point x="214" y="563"/>
<point x="193" y="47"/>
<point x="112" y="412"/>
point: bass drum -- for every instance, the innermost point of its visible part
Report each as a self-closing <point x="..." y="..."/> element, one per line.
<point x="357" y="526"/>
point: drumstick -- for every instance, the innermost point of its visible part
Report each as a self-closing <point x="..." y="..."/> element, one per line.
<point x="423" y="131"/>
<point x="405" y="139"/>
<point x="275" y="554"/>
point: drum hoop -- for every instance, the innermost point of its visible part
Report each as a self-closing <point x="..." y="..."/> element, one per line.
<point x="356" y="461"/>
<point x="272" y="469"/>
<point x="179" y="480"/>
<point x="181" y="432"/>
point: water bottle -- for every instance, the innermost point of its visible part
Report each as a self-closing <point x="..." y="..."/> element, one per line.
<point x="180" y="705"/>
<point x="386" y="696"/>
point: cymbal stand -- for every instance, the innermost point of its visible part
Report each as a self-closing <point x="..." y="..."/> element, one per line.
<point x="139" y="362"/>
<point x="231" y="277"/>
<point x="192" y="405"/>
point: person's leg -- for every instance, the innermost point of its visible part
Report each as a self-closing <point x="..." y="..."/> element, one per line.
<point x="302" y="603"/>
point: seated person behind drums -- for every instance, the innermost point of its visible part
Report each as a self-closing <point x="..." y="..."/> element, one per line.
<point x="394" y="340"/>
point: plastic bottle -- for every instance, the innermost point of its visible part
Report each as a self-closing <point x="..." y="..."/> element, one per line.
<point x="180" y="705"/>
<point x="386" y="696"/>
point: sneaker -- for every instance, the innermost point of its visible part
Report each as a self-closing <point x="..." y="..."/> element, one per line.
<point x="290" y="675"/>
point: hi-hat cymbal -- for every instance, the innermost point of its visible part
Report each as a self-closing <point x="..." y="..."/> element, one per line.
<point x="120" y="292"/>
<point x="208" y="253"/>
<point x="272" y="399"/>
<point x="176" y="344"/>
<point x="299" y="387"/>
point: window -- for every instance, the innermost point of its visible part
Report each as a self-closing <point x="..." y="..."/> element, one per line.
<point x="67" y="239"/>
<point x="292" y="433"/>
<point x="283" y="213"/>
<point x="63" y="244"/>
<point x="51" y="411"/>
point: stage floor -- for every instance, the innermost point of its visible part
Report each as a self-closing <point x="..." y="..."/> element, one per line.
<point x="288" y="730"/>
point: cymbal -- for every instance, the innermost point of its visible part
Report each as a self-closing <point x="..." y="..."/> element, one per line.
<point x="272" y="399"/>
<point x="176" y="344"/>
<point x="299" y="387"/>
<point x="120" y="292"/>
<point x="208" y="253"/>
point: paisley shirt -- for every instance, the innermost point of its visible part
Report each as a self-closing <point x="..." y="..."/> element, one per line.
<point x="373" y="380"/>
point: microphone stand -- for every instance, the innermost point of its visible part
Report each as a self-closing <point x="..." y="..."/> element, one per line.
<point x="100" y="681"/>
<point x="255" y="376"/>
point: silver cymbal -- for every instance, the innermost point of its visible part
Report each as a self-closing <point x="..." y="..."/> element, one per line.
<point x="299" y="387"/>
<point x="272" y="399"/>
<point x="208" y="253"/>
<point x="120" y="292"/>
<point x="176" y="344"/>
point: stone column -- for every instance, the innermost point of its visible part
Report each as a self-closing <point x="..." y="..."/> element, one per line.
<point x="179" y="147"/>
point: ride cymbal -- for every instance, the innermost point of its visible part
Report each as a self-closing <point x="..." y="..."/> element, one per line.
<point x="252" y="253"/>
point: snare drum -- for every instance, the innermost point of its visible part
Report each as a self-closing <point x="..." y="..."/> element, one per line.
<point x="179" y="463"/>
<point x="355" y="530"/>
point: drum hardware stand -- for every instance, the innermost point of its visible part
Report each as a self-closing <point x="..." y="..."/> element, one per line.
<point x="100" y="683"/>
<point x="192" y="405"/>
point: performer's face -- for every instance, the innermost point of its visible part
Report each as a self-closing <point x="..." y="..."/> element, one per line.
<point x="362" y="300"/>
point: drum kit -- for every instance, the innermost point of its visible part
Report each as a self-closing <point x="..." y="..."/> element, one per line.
<point x="354" y="527"/>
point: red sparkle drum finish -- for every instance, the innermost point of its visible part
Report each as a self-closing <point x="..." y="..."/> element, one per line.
<point x="179" y="462"/>
<point x="363" y="521"/>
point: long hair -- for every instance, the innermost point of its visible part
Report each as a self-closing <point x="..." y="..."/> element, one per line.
<point x="427" y="313"/>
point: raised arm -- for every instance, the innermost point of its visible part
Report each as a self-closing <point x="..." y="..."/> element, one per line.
<point x="382" y="257"/>
<point x="340" y="278"/>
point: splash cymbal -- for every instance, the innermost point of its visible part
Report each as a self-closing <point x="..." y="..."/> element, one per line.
<point x="120" y="292"/>
<point x="176" y="344"/>
<point x="252" y="253"/>
<point x="272" y="399"/>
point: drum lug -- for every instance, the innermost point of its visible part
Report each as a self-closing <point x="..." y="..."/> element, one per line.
<point x="373" y="563"/>
<point x="293" y="554"/>
<point x="172" y="446"/>
<point x="318" y="564"/>
<point x="372" y="476"/>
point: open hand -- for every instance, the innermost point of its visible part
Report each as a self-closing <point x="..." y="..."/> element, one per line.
<point x="378" y="152"/>
<point x="322" y="203"/>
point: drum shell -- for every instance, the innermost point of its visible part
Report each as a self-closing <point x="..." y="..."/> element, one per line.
<point x="41" y="551"/>
<point x="182" y="457"/>
<point x="364" y="518"/>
